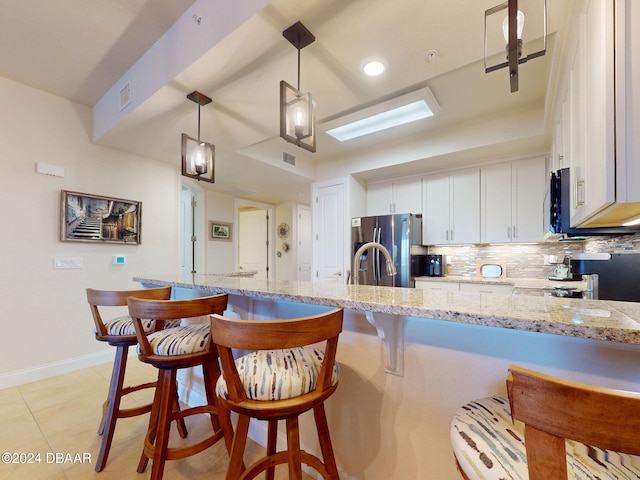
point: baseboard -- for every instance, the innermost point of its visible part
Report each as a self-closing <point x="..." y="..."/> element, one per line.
<point x="27" y="375"/>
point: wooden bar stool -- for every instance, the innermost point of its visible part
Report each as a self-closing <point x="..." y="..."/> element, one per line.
<point x="120" y="333"/>
<point x="170" y="350"/>
<point x="549" y="429"/>
<point x="282" y="378"/>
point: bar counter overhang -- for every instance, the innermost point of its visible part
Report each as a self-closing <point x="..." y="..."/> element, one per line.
<point x="442" y="349"/>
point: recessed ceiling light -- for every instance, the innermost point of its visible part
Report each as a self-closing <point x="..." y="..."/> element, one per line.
<point x="381" y="116"/>
<point x="373" y="67"/>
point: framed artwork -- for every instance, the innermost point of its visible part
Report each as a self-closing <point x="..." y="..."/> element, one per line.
<point x="219" y="230"/>
<point x="94" y="218"/>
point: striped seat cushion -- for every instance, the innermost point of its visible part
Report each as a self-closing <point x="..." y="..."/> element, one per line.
<point x="181" y="340"/>
<point x="488" y="446"/>
<point x="279" y="374"/>
<point x="124" y="325"/>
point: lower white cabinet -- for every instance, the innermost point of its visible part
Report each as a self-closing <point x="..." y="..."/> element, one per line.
<point x="438" y="285"/>
<point x="449" y="286"/>
<point x="485" y="288"/>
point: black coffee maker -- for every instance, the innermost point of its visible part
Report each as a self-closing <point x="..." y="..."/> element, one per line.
<point x="434" y="266"/>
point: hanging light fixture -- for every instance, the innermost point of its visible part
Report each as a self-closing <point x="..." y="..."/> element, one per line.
<point x="197" y="156"/>
<point x="297" y="109"/>
<point x="512" y="28"/>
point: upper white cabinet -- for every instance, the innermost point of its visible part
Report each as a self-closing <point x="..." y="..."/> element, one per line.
<point x="511" y="205"/>
<point x="602" y="89"/>
<point x="451" y="212"/>
<point x="398" y="196"/>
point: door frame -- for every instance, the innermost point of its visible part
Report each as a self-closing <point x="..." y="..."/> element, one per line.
<point x="239" y="203"/>
<point x="199" y="222"/>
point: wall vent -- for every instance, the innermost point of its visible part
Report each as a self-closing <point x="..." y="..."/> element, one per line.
<point x="288" y="158"/>
<point x="125" y="95"/>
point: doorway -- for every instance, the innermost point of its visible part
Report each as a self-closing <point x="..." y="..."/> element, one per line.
<point x="192" y="229"/>
<point x="254" y="253"/>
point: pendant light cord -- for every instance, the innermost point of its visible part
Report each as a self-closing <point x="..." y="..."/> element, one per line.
<point x="298" y="69"/>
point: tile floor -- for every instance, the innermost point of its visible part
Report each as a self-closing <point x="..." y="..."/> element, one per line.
<point x="57" y="419"/>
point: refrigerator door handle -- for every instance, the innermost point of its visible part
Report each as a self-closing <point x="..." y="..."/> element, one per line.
<point x="377" y="255"/>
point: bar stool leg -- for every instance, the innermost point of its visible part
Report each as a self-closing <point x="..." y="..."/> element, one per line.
<point x="325" y="441"/>
<point x="237" y="451"/>
<point x="167" y="388"/>
<point x="109" y="417"/>
<point x="272" y="438"/>
<point x="293" y="445"/>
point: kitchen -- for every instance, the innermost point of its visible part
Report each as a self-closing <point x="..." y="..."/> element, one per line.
<point x="416" y="418"/>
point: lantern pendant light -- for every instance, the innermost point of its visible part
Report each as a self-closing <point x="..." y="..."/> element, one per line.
<point x="297" y="109"/>
<point x="198" y="157"/>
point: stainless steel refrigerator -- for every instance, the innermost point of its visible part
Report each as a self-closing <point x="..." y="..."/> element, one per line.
<point x="401" y="234"/>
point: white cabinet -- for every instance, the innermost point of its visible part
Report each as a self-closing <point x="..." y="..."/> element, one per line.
<point x="486" y="288"/>
<point x="398" y="196"/>
<point x="591" y="89"/>
<point x="452" y="286"/>
<point x="511" y="205"/>
<point x="603" y="86"/>
<point x="451" y="212"/>
<point x="440" y="285"/>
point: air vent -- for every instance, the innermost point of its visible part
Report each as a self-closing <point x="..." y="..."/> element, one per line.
<point x="288" y="158"/>
<point x="125" y="95"/>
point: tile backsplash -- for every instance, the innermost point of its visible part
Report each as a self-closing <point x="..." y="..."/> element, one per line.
<point x="527" y="260"/>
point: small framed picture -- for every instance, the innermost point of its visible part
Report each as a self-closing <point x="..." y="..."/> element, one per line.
<point x="219" y="230"/>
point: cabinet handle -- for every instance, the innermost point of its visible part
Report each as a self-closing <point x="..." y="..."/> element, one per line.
<point x="515" y="233"/>
<point x="580" y="193"/>
<point x="447" y="233"/>
<point x="508" y="231"/>
<point x="452" y="235"/>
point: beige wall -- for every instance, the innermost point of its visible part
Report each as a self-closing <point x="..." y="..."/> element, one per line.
<point x="46" y="325"/>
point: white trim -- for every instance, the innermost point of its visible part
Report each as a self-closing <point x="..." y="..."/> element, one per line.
<point x="27" y="375"/>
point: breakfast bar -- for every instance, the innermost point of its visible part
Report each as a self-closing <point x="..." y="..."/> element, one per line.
<point x="442" y="349"/>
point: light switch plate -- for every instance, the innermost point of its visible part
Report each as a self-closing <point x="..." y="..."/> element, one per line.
<point x="67" y="262"/>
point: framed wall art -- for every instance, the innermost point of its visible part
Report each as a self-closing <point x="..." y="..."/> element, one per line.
<point x="219" y="230"/>
<point x="94" y="218"/>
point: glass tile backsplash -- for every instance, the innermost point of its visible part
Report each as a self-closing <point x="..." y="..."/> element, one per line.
<point x="527" y="260"/>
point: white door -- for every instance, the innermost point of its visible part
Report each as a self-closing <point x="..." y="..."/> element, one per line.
<point x="252" y="242"/>
<point x="330" y="234"/>
<point x="304" y="236"/>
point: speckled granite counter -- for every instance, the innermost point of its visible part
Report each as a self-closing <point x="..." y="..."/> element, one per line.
<point x="592" y="319"/>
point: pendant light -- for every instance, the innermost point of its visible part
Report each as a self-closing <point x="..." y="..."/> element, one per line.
<point x="512" y="28"/>
<point x="198" y="157"/>
<point x="297" y="109"/>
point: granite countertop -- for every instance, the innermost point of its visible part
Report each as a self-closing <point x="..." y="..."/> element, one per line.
<point x="594" y="319"/>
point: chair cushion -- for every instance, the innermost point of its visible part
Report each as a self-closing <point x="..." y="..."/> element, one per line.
<point x="489" y="446"/>
<point x="181" y="340"/>
<point x="124" y="325"/>
<point x="279" y="374"/>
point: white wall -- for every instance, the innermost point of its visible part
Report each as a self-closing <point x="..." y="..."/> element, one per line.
<point x="46" y="323"/>
<point x="219" y="255"/>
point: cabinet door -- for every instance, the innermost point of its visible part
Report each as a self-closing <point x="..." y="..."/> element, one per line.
<point x="593" y="168"/>
<point x="407" y="196"/>
<point x="465" y="206"/>
<point x="495" y="203"/>
<point x="527" y="210"/>
<point x="485" y="288"/>
<point x="435" y="215"/>
<point x="379" y="198"/>
<point x="437" y="285"/>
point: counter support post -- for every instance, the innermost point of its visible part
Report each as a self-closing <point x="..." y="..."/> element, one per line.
<point x="390" y="330"/>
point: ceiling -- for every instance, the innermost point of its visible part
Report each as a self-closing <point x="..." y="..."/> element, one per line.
<point x="80" y="50"/>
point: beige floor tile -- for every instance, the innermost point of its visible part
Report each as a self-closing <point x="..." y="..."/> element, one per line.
<point x="12" y="404"/>
<point x="39" y="464"/>
<point x="16" y="432"/>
